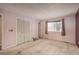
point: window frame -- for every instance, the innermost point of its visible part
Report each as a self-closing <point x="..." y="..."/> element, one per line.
<point x="55" y="26"/>
<point x="63" y="32"/>
<point x="46" y="27"/>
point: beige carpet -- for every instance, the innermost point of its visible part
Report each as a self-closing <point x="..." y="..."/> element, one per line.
<point x="44" y="47"/>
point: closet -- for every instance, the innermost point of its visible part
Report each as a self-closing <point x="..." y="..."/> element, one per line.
<point x="23" y="31"/>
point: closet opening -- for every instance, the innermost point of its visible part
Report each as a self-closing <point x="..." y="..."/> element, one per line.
<point x="0" y="32"/>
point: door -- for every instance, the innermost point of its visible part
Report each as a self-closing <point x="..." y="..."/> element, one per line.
<point x="23" y="31"/>
<point x="0" y="32"/>
<point x="77" y="28"/>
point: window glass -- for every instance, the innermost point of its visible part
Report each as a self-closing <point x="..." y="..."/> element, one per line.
<point x="54" y="26"/>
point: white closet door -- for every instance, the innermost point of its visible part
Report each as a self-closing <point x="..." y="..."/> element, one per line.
<point x="23" y="31"/>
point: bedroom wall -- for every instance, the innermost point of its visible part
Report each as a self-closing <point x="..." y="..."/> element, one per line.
<point x="34" y="29"/>
<point x="69" y="28"/>
<point x="9" y="22"/>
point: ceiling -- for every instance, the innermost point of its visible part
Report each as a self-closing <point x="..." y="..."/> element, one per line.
<point x="42" y="10"/>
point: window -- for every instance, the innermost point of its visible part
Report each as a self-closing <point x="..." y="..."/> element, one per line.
<point x="54" y="26"/>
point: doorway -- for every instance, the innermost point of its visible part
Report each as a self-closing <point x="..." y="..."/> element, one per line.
<point x="0" y="32"/>
<point x="77" y="28"/>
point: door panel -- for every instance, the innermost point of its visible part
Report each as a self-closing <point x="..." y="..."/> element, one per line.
<point x="0" y="32"/>
<point x="77" y="28"/>
<point x="23" y="31"/>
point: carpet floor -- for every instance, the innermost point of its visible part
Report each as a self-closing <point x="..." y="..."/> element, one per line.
<point x="44" y="47"/>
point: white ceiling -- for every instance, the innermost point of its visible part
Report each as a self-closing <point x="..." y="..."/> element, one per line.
<point x="42" y="10"/>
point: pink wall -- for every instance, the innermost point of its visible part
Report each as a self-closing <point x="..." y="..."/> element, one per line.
<point x="34" y="29"/>
<point x="69" y="28"/>
<point x="9" y="21"/>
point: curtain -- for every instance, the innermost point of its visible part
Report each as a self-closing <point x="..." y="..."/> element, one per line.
<point x="63" y="28"/>
<point x="46" y="31"/>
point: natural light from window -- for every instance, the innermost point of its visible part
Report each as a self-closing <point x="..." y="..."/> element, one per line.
<point x="54" y="26"/>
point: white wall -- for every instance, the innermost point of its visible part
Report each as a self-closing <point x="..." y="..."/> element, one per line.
<point x="9" y="21"/>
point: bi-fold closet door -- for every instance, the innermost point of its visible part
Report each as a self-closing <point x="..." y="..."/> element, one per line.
<point x="23" y="31"/>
